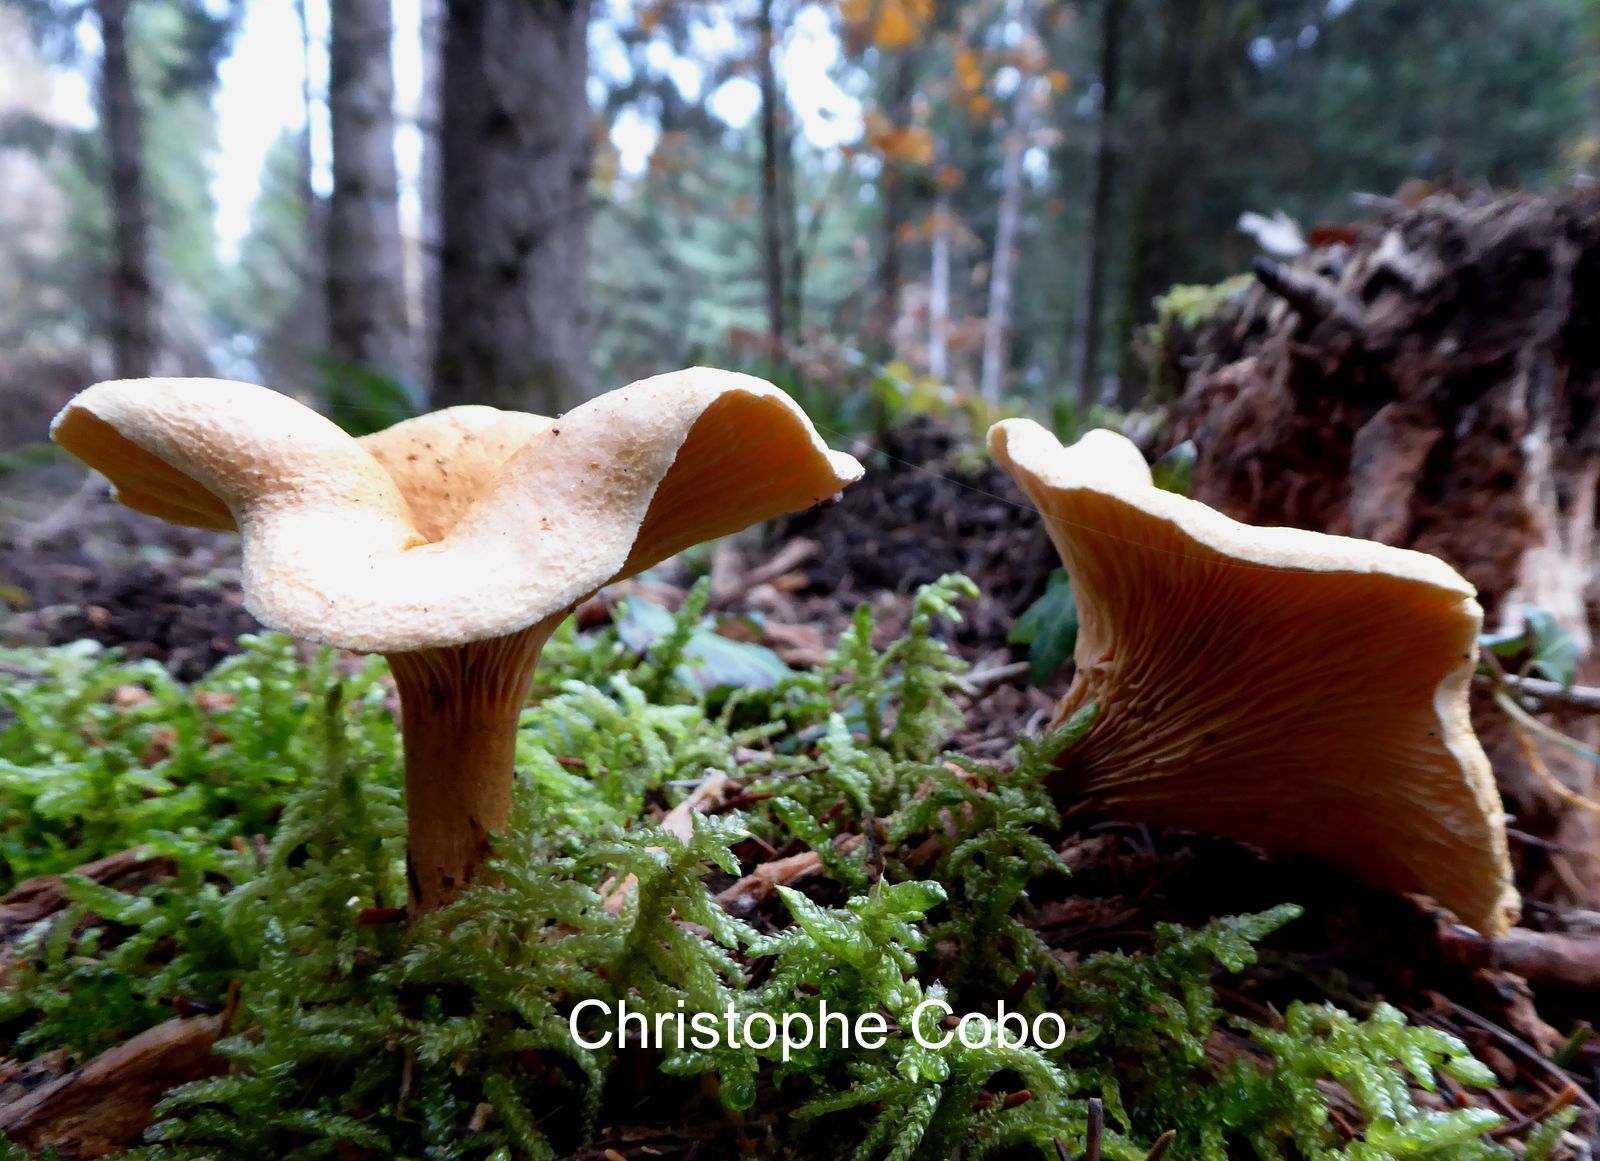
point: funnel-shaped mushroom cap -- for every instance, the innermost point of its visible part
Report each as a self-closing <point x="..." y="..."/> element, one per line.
<point x="1304" y="692"/>
<point x="462" y="525"/>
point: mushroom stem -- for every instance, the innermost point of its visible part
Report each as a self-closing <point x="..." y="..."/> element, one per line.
<point x="459" y="712"/>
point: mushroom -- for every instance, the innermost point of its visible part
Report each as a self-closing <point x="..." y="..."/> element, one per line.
<point x="1302" y="692"/>
<point x="453" y="543"/>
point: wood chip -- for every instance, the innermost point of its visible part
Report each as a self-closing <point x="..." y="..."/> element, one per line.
<point x="107" y="1103"/>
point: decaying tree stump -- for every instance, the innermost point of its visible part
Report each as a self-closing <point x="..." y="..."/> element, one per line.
<point x="1430" y="380"/>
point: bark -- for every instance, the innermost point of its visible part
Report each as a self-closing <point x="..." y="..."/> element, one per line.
<point x="104" y="1106"/>
<point x="514" y="319"/>
<point x="309" y="325"/>
<point x="893" y="195"/>
<point x="794" y="285"/>
<point x="1162" y="201"/>
<point x="1101" y="185"/>
<point x="771" y="209"/>
<point x="1002" y="267"/>
<point x="1433" y="382"/>
<point x="133" y="305"/>
<point x="367" y="322"/>
<point x="432" y="192"/>
<point x="1540" y="957"/>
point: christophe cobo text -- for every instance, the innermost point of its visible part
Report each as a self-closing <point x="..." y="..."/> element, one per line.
<point x="600" y="1024"/>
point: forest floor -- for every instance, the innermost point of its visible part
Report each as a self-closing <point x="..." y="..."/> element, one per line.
<point x="79" y="566"/>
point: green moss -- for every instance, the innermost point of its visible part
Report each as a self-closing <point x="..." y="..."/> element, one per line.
<point x="1179" y="312"/>
<point x="451" y="1039"/>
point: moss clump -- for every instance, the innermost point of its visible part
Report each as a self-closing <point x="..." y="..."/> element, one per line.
<point x="1180" y="312"/>
<point x="455" y="1038"/>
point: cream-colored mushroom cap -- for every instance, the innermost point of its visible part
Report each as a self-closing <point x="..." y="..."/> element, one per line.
<point x="1303" y="692"/>
<point x="462" y="525"/>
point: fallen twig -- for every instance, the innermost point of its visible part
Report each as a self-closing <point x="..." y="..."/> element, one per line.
<point x="1525" y="723"/>
<point x="729" y="587"/>
<point x="1506" y="691"/>
<point x="1516" y="1045"/>
<point x="1536" y="695"/>
<point x="756" y="887"/>
<point x="65" y="515"/>
<point x="1554" y="1105"/>
<point x="1537" y="956"/>
<point x="1163" y="1143"/>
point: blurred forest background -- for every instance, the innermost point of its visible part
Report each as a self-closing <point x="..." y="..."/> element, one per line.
<point x="380" y="205"/>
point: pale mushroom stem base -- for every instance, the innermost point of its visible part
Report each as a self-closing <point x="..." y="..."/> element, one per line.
<point x="459" y="712"/>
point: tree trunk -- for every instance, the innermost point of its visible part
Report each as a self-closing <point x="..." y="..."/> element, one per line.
<point x="309" y="327"/>
<point x="1002" y="267"/>
<point x="1101" y="186"/>
<point x="133" y="306"/>
<point x="771" y="209"/>
<point x="1163" y="197"/>
<point x="939" y="293"/>
<point x="514" y="318"/>
<point x="365" y="257"/>
<point x="794" y="285"/>
<point x="892" y="194"/>
<point x="431" y="193"/>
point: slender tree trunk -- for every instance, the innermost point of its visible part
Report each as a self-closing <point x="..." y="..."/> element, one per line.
<point x="794" y="283"/>
<point x="366" y="258"/>
<point x="939" y="293"/>
<point x="133" y="305"/>
<point x="514" y="317"/>
<point x="309" y="331"/>
<point x="1002" y="267"/>
<point x="1164" y="195"/>
<point x="1101" y="186"/>
<point x="432" y="178"/>
<point x="892" y="194"/>
<point x="771" y="208"/>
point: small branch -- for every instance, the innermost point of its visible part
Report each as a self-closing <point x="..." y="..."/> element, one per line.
<point x="729" y="588"/>
<point x="1515" y="1045"/>
<point x="1539" y="696"/>
<point x="747" y="893"/>
<point x="67" y="515"/>
<point x="1314" y="297"/>
<point x="1524" y="725"/>
<point x="1554" y="1105"/>
<point x="1539" y="957"/>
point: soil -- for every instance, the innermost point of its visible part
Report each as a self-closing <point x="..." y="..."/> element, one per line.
<point x="77" y="565"/>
